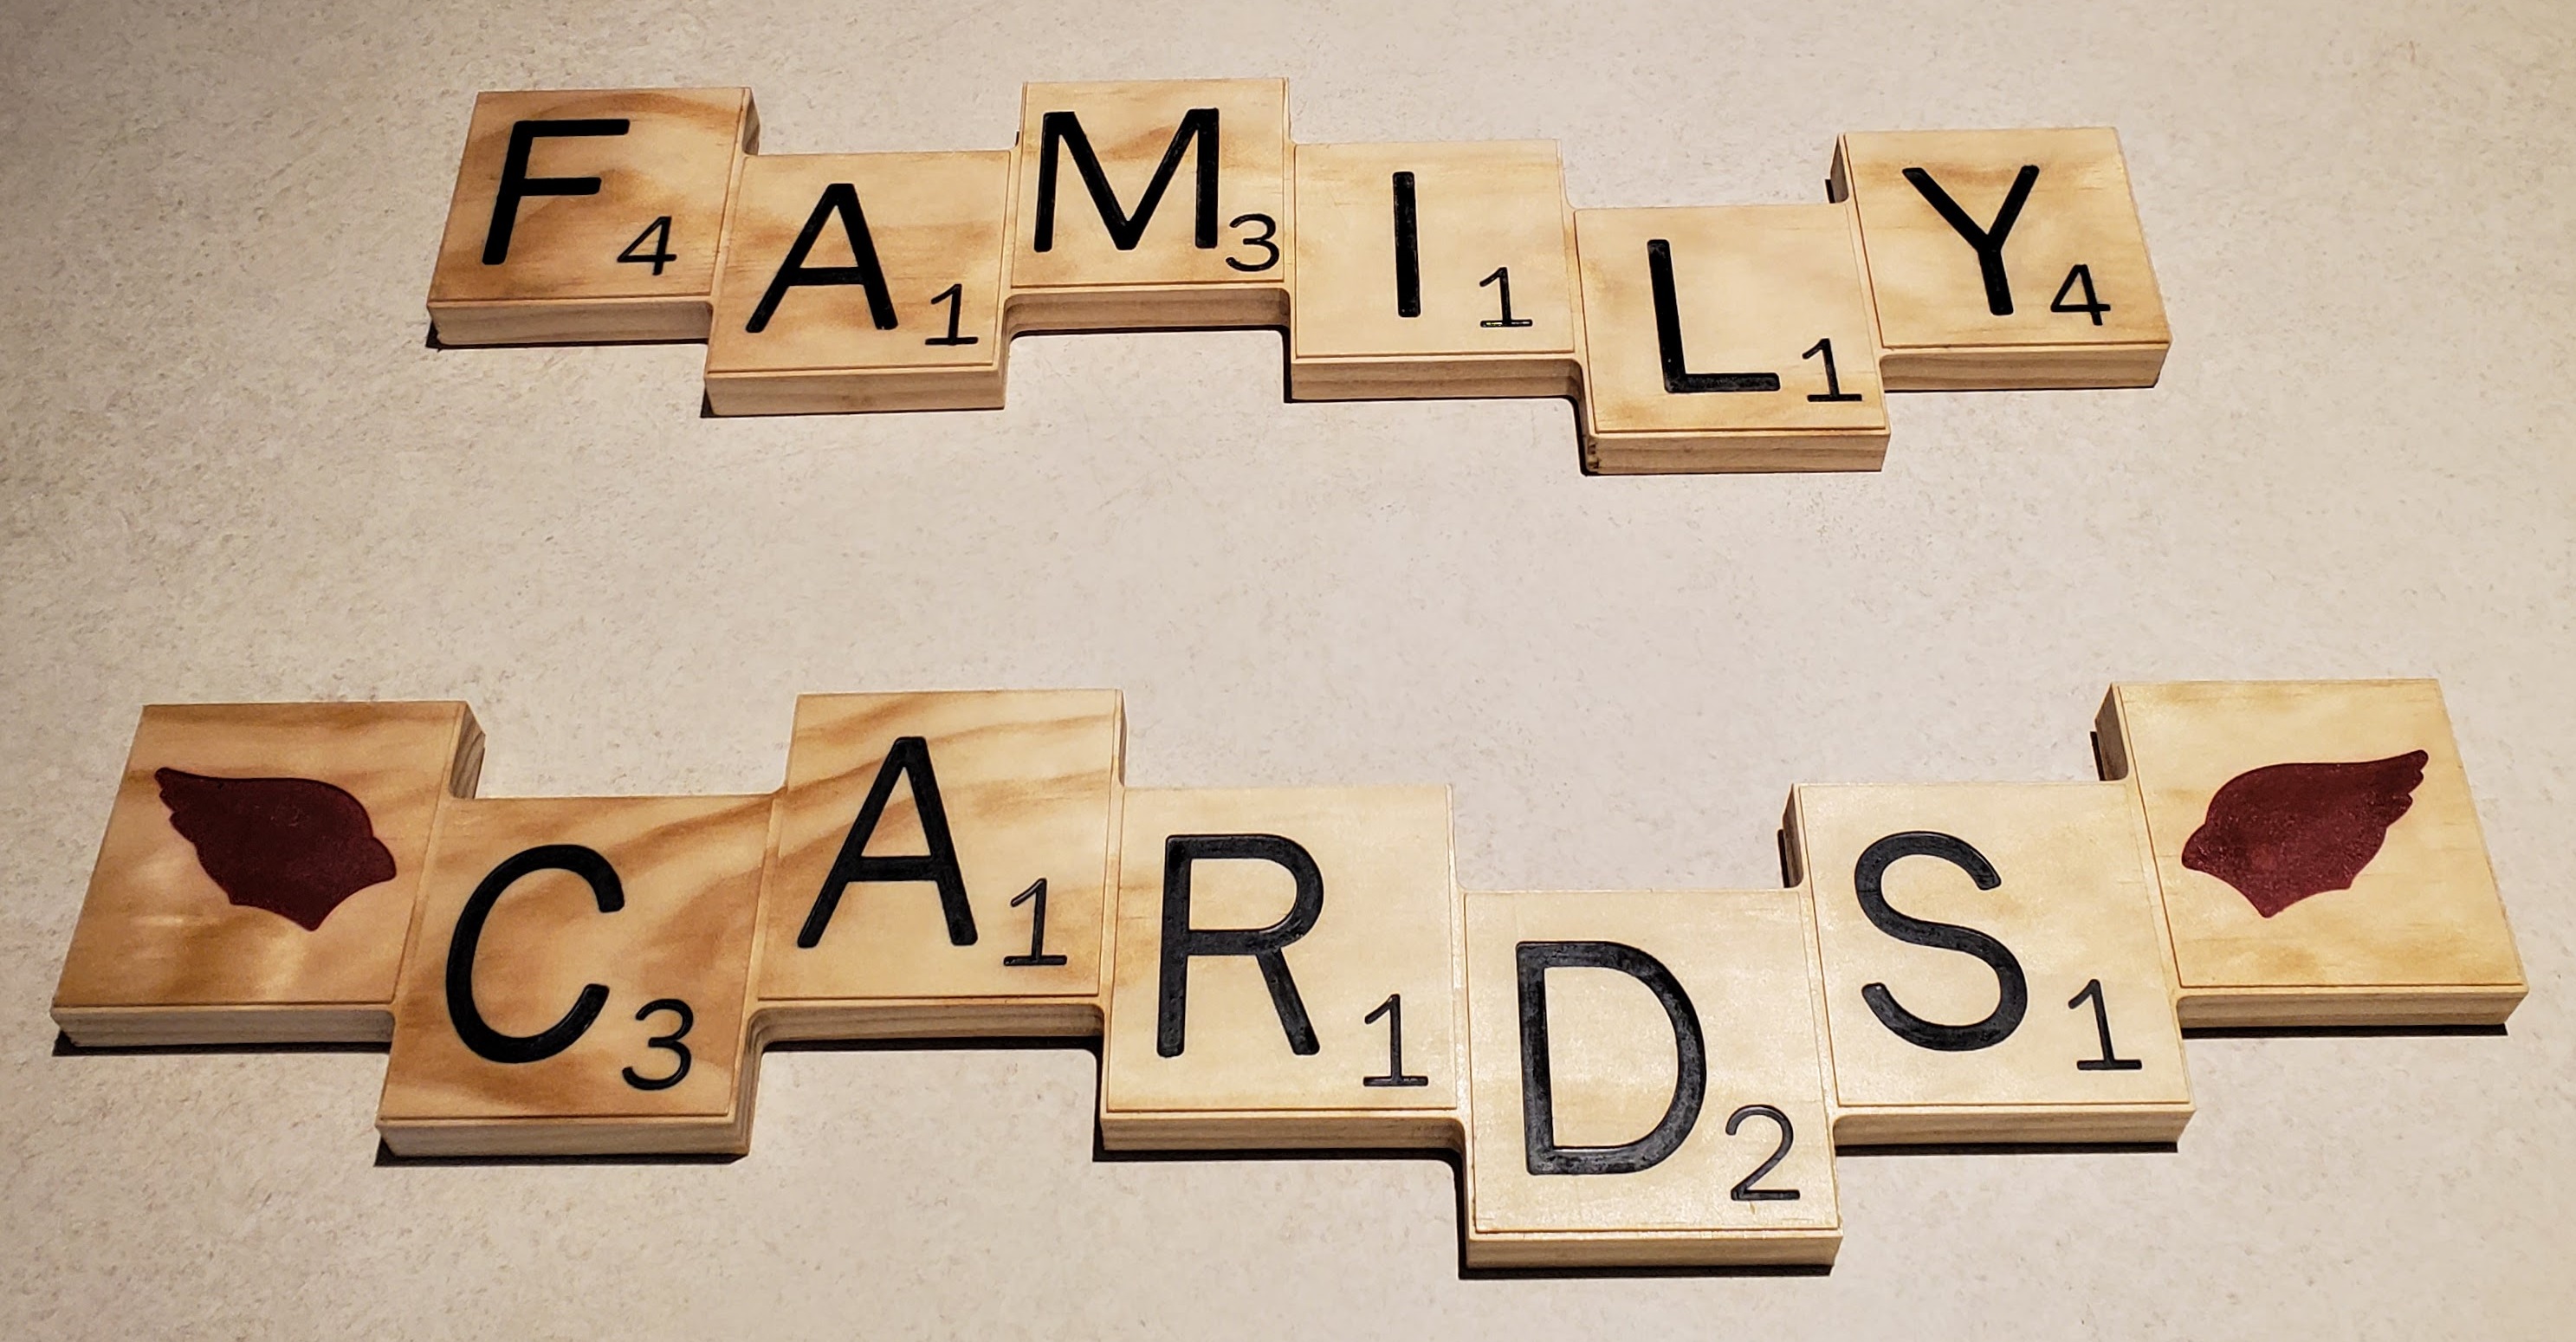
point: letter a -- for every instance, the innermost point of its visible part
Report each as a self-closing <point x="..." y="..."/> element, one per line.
<point x="909" y="760"/>
<point x="840" y="198"/>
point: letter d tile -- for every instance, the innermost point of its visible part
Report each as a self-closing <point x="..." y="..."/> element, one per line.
<point x="1646" y="1082"/>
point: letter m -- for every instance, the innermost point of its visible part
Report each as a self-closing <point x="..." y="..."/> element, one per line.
<point x="1063" y="130"/>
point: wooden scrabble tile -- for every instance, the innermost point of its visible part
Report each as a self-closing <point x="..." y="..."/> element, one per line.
<point x="940" y="865"/>
<point x="588" y="215"/>
<point x="577" y="978"/>
<point x="861" y="282"/>
<point x="2318" y="850"/>
<point x="1286" y="972"/>
<point x="1431" y="270"/>
<point x="257" y="877"/>
<point x="1733" y="338"/>
<point x="1645" y="1078"/>
<point x="1151" y="204"/>
<point x="2004" y="259"/>
<point x="1993" y="963"/>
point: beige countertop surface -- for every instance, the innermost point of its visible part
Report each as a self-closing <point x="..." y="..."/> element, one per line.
<point x="230" y="468"/>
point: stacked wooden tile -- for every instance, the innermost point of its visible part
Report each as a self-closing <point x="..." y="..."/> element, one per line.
<point x="1718" y="338"/>
<point x="1633" y="1078"/>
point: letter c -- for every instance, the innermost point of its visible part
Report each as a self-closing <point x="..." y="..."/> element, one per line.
<point x="478" y="1034"/>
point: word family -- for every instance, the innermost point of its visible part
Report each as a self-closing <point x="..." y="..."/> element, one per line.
<point x="1708" y="338"/>
<point x="1633" y="1078"/>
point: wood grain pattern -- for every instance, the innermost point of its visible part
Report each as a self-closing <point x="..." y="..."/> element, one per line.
<point x="1028" y="791"/>
<point x="561" y="281"/>
<point x="689" y="868"/>
<point x="1755" y="288"/>
<point x="1965" y="963"/>
<point x="1946" y="260"/>
<point x="1473" y="209"/>
<point x="2072" y="905"/>
<point x="1742" y="959"/>
<point x="1084" y="281"/>
<point x="1937" y="315"/>
<point x="1387" y="926"/>
<point x="2419" y="937"/>
<point x="161" y="956"/>
<point x="932" y="222"/>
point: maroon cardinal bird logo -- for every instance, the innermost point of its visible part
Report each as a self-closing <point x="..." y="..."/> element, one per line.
<point x="2287" y="831"/>
<point x="296" y="847"/>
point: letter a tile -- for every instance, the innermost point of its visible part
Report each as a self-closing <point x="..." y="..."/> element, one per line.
<point x="1287" y="972"/>
<point x="1994" y="966"/>
<point x="1646" y="1082"/>
<point x="1732" y="338"/>
<point x="588" y="215"/>
<point x="577" y="980"/>
<point x="1151" y="204"/>
<point x="2319" y="852"/>
<point x="941" y="865"/>
<point x="1432" y="270"/>
<point x="861" y="282"/>
<point x="2004" y="259"/>
<point x="257" y="878"/>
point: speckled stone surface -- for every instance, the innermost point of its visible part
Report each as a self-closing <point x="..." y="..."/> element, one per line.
<point x="230" y="469"/>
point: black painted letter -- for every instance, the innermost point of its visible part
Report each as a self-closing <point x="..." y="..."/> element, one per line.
<point x="1678" y="378"/>
<point x="2012" y="995"/>
<point x="910" y="760"/>
<point x="842" y="199"/>
<point x="1182" y="941"/>
<point x="1538" y="1092"/>
<point x="478" y="1035"/>
<point x="1064" y="130"/>
<point x="1408" y="249"/>
<point x="517" y="185"/>
<point x="1989" y="241"/>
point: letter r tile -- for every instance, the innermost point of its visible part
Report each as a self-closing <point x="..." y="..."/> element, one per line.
<point x="1646" y="1081"/>
<point x="1994" y="966"/>
<point x="1272" y="949"/>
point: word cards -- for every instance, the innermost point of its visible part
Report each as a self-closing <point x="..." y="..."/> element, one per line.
<point x="1634" y="1078"/>
<point x="1707" y="338"/>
